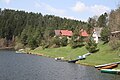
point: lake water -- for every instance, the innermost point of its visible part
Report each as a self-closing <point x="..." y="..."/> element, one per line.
<point x="30" y="67"/>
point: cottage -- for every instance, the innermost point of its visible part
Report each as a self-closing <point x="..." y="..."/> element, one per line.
<point x="83" y="33"/>
<point x="95" y="36"/>
<point x="66" y="33"/>
<point x="115" y="35"/>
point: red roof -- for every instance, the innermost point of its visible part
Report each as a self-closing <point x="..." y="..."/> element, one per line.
<point x="63" y="32"/>
<point x="84" y="33"/>
<point x="66" y="33"/>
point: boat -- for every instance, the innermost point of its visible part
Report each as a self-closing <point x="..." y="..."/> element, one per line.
<point x="103" y="65"/>
<point x="59" y="58"/>
<point x="111" y="71"/>
<point x="73" y="61"/>
<point x="79" y="58"/>
<point x="109" y="66"/>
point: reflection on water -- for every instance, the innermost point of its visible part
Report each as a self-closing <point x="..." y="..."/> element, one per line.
<point x="30" y="67"/>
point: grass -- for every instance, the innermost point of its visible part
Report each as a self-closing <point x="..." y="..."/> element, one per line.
<point x="104" y="55"/>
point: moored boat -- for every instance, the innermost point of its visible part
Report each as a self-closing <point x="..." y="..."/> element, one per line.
<point x="109" y="66"/>
<point x="73" y="61"/>
<point x="103" y="65"/>
<point x="111" y="71"/>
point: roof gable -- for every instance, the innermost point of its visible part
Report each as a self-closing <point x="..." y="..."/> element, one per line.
<point x="83" y="33"/>
<point x="57" y="32"/>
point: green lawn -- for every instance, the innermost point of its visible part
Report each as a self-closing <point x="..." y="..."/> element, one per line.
<point x="104" y="55"/>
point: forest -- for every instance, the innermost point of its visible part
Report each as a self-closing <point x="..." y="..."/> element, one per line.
<point x="22" y="29"/>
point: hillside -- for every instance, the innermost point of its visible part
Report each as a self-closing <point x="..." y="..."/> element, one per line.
<point x="104" y="55"/>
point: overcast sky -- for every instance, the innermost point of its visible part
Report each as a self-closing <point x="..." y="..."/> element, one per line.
<point x="74" y="9"/>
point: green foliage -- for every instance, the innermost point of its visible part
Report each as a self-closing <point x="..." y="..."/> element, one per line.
<point x="44" y="44"/>
<point x="32" y="43"/>
<point x="105" y="33"/>
<point x="64" y="41"/>
<point x="24" y="37"/>
<point x="91" y="46"/>
<point x="76" y="41"/>
<point x="33" y="28"/>
<point x="56" y="41"/>
<point x="102" y="20"/>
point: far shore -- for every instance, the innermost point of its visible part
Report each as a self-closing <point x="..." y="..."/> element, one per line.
<point x="7" y="48"/>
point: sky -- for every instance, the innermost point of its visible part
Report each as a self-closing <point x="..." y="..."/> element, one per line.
<point x="71" y="9"/>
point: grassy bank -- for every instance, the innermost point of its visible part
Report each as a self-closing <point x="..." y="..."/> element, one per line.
<point x="104" y="55"/>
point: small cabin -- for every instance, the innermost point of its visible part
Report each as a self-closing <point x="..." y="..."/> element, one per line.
<point x="115" y="35"/>
<point x="95" y="36"/>
<point x="66" y="33"/>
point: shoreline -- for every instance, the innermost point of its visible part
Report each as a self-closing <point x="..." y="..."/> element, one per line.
<point x="65" y="60"/>
<point x="67" y="54"/>
<point x="7" y="48"/>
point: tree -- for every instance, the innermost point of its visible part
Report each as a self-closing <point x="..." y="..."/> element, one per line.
<point x="76" y="41"/>
<point x="91" y="46"/>
<point x="32" y="43"/>
<point x="28" y="25"/>
<point x="93" y="21"/>
<point x="63" y="41"/>
<point x="24" y="37"/>
<point x="102" y="20"/>
<point x="105" y="33"/>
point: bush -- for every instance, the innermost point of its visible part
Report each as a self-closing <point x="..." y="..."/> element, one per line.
<point x="76" y="41"/>
<point x="32" y="43"/>
<point x="115" y="44"/>
<point x="44" y="44"/>
<point x="91" y="46"/>
<point x="105" y="33"/>
<point x="55" y="42"/>
<point x="63" y="41"/>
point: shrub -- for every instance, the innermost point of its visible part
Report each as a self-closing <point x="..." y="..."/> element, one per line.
<point x="63" y="41"/>
<point x="55" y="42"/>
<point x="44" y="44"/>
<point x="105" y="33"/>
<point x="76" y="41"/>
<point x="32" y="43"/>
<point x="91" y="46"/>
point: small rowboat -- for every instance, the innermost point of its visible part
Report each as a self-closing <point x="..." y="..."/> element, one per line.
<point x="103" y="65"/>
<point x="73" y="61"/>
<point x="109" y="66"/>
<point x="111" y="71"/>
<point x="80" y="58"/>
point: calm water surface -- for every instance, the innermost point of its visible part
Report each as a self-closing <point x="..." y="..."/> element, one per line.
<point x="30" y="67"/>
